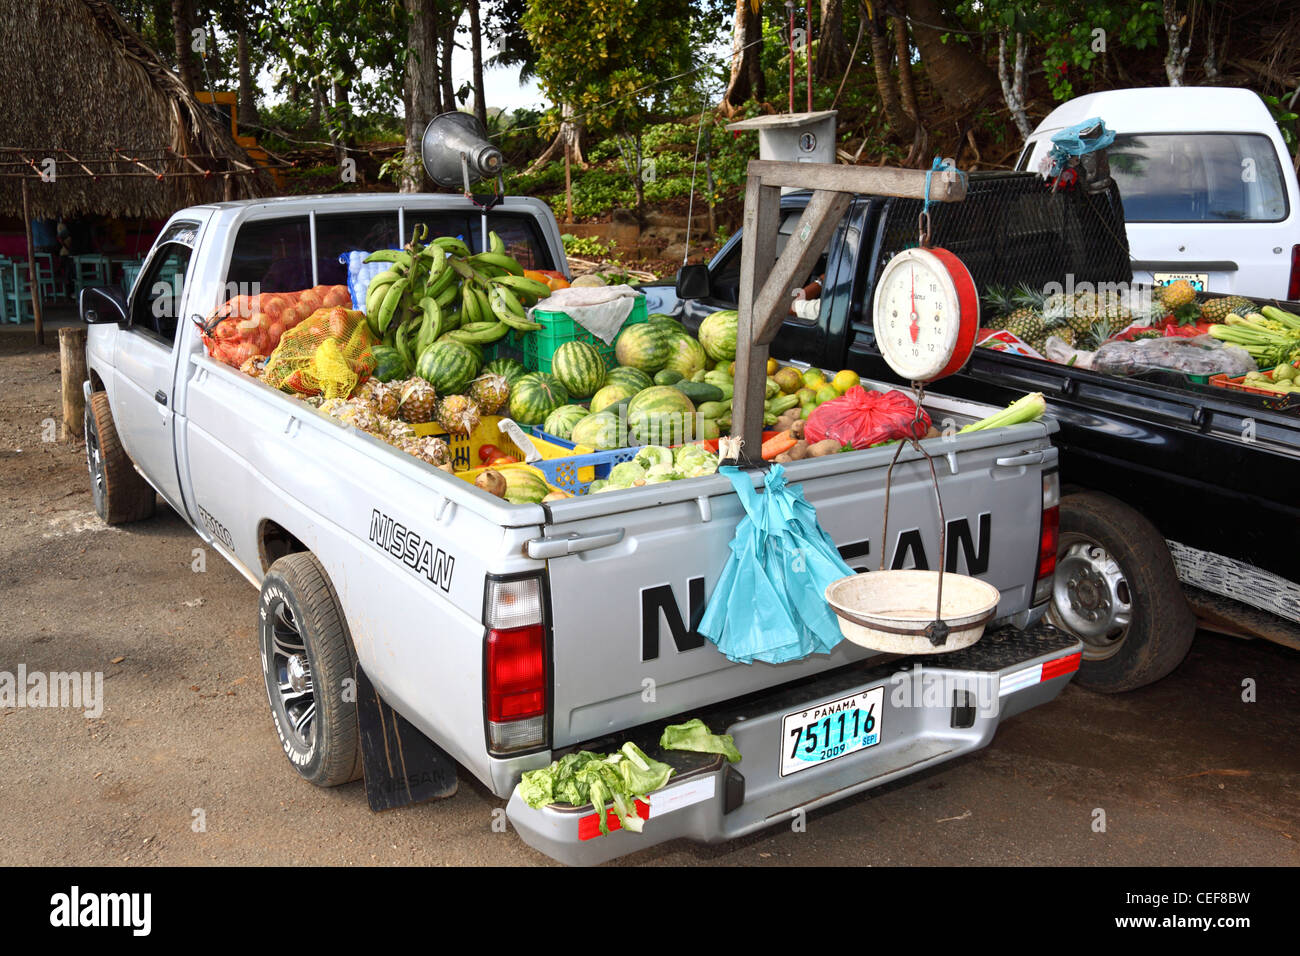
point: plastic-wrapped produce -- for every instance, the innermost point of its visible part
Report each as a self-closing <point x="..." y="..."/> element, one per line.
<point x="1201" y="355"/>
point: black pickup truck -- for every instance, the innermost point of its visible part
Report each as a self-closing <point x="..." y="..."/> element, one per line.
<point x="1182" y="501"/>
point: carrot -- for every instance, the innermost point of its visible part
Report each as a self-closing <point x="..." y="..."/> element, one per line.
<point x="777" y="444"/>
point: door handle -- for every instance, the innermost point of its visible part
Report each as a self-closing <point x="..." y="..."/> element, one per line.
<point x="1028" y="458"/>
<point x="542" y="548"/>
<point x="160" y="397"/>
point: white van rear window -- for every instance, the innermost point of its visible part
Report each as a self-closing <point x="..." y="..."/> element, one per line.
<point x="1198" y="177"/>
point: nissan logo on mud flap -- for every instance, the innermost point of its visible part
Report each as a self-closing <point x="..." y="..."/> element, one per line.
<point x="659" y="603"/>
<point x="411" y="549"/>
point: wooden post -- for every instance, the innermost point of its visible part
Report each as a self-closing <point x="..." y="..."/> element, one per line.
<point x="72" y="372"/>
<point x="767" y="283"/>
<point x="34" y="287"/>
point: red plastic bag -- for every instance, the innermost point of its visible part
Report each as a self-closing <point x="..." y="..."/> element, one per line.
<point x="861" y="418"/>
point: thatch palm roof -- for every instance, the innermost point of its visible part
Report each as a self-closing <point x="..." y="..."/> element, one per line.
<point x="78" y="78"/>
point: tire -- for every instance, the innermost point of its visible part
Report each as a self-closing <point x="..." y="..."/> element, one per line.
<point x="121" y="494"/>
<point x="1116" y="590"/>
<point x="308" y="665"/>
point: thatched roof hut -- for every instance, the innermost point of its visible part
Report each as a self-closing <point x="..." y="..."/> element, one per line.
<point x="78" y="79"/>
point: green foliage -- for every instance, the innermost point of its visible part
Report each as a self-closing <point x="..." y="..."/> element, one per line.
<point x="1285" y="118"/>
<point x="584" y="246"/>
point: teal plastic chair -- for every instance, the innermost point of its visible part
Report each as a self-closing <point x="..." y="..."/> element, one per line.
<point x="17" y="295"/>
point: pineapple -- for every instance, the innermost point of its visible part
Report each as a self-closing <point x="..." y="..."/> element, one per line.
<point x="418" y="401"/>
<point x="490" y="392"/>
<point x="384" y="397"/>
<point x="1097" y="335"/>
<point x="458" y="415"/>
<point x="1216" y="310"/>
<point x="1177" y="294"/>
<point x="431" y="449"/>
<point x="1026" y="321"/>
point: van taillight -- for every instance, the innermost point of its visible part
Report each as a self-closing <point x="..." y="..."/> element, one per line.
<point x="1049" y="534"/>
<point x="516" y="681"/>
<point x="1293" y="286"/>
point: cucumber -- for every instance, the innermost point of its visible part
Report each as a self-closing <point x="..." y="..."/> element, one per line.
<point x="699" y="376"/>
<point x="700" y="392"/>
<point x="667" y="376"/>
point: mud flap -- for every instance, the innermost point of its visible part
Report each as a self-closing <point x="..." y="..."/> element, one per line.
<point x="402" y="766"/>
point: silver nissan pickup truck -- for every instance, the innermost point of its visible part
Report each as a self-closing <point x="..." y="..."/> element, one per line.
<point x="414" y="627"/>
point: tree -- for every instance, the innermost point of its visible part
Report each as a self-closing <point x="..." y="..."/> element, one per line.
<point x="605" y="59"/>
<point x="747" y="81"/>
<point x="182" y="19"/>
<point x="476" y="46"/>
<point x="891" y="99"/>
<point x="422" y="97"/>
<point x="1176" y="58"/>
<point x="956" y="72"/>
<point x="832" y="51"/>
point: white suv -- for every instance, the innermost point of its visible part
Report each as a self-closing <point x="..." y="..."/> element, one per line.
<point x="1209" y="191"/>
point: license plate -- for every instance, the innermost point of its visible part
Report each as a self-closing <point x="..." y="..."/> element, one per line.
<point x="825" y="732"/>
<point x="1198" y="279"/>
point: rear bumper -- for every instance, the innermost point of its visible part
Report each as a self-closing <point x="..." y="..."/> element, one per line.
<point x="710" y="801"/>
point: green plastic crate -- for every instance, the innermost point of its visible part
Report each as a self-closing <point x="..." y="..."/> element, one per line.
<point x="539" y="347"/>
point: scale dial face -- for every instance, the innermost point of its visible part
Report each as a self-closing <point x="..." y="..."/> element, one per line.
<point x="926" y="314"/>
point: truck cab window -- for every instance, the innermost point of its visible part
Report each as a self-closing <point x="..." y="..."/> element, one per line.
<point x="156" y="307"/>
<point x="271" y="256"/>
<point x="345" y="232"/>
<point x="725" y="280"/>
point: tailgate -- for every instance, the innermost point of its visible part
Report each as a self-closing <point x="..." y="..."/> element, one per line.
<point x="623" y="615"/>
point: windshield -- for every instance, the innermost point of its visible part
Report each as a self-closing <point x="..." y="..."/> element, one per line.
<point x="1198" y="177"/>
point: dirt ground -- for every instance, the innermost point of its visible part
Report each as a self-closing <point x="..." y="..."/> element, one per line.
<point x="183" y="765"/>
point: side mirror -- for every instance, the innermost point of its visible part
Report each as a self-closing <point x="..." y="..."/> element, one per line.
<point x="693" y="282"/>
<point x="102" y="305"/>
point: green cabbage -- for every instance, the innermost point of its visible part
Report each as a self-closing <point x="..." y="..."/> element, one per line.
<point x="659" y="473"/>
<point x="625" y="473"/>
<point x="652" y="455"/>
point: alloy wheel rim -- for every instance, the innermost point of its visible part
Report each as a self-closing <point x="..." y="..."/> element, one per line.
<point x="291" y="670"/>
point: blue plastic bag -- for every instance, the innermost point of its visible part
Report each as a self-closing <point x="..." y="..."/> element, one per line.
<point x="770" y="605"/>
<point x="359" y="275"/>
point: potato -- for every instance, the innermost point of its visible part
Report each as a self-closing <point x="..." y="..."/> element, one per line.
<point x="799" y="451"/>
<point x="827" y="446"/>
<point x="783" y="458"/>
<point x="932" y="433"/>
<point x="796" y="428"/>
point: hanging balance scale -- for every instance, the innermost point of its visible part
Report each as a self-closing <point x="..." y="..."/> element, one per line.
<point x="926" y="314"/>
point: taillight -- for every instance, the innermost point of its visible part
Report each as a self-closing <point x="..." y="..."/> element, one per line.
<point x="1293" y="286"/>
<point x="1049" y="534"/>
<point x="516" y="682"/>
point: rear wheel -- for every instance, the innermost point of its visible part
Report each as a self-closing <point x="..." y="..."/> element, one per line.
<point x="1117" y="591"/>
<point x="120" y="494"/>
<point x="308" y="665"/>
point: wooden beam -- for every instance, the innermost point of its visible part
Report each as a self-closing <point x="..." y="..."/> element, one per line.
<point x="762" y="219"/>
<point x="945" y="186"/>
<point x="33" y="284"/>
<point x="811" y="235"/>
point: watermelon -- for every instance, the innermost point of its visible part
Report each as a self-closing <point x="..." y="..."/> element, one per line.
<point x="579" y="367"/>
<point x="524" y="486"/>
<point x="718" y="335"/>
<point x="508" y="368"/>
<point x="601" y="431"/>
<point x="561" y="421"/>
<point x="661" y="415"/>
<point x="687" y="356"/>
<point x="643" y="346"/>
<point x="475" y="350"/>
<point x="666" y="322"/>
<point x="448" y="366"/>
<point x="389" y="364"/>
<point x="611" y="395"/>
<point x="633" y="377"/>
<point x="535" y="396"/>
